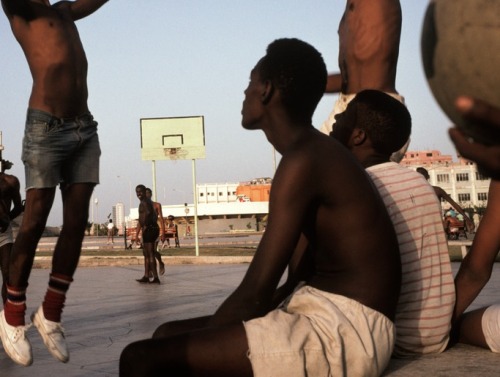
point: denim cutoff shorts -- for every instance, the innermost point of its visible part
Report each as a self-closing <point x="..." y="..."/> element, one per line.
<point x="60" y="150"/>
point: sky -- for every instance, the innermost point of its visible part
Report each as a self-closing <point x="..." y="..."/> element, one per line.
<point x="163" y="58"/>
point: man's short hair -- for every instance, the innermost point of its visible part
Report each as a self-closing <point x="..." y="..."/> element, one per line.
<point x="140" y="187"/>
<point x="298" y="71"/>
<point x="386" y="121"/>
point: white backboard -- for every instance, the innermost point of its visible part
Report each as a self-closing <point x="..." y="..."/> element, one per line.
<point x="178" y="138"/>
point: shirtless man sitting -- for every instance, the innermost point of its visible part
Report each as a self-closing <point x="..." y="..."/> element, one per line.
<point x="60" y="147"/>
<point x="338" y="323"/>
<point x="369" y="34"/>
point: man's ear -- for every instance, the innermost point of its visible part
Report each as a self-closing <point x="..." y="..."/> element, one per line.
<point x="358" y="137"/>
<point x="268" y="92"/>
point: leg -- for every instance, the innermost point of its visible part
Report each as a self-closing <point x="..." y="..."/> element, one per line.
<point x="76" y="199"/>
<point x="160" y="262"/>
<point x="47" y="319"/>
<point x="172" y="328"/>
<point x="145" y="278"/>
<point x="471" y="331"/>
<point x="12" y="321"/>
<point x="37" y="209"/>
<point x="216" y="352"/>
<point x="150" y="256"/>
<point x="4" y="266"/>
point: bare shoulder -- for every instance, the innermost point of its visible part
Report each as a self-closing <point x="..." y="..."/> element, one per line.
<point x="12" y="180"/>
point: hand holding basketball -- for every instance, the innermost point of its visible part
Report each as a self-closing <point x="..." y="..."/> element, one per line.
<point x="483" y="115"/>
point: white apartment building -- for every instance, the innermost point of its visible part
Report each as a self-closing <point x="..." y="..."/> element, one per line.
<point x="118" y="216"/>
<point x="461" y="180"/>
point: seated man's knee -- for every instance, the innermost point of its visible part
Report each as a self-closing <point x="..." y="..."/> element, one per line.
<point x="163" y="331"/>
<point x="130" y="359"/>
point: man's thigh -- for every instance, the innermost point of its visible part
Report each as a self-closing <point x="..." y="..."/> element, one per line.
<point x="217" y="352"/>
<point x="172" y="328"/>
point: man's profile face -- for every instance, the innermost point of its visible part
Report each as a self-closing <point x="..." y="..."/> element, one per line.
<point x="148" y="194"/>
<point x="342" y="130"/>
<point x="252" y="104"/>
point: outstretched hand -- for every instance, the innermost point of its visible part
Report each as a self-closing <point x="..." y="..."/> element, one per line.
<point x="487" y="157"/>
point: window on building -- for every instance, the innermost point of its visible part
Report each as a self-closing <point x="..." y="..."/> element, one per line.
<point x="220" y="193"/>
<point x="462" y="177"/>
<point x="443" y="178"/>
<point x="428" y="154"/>
<point x="482" y="196"/>
<point x="481" y="177"/>
<point x="201" y="194"/>
<point x="464" y="197"/>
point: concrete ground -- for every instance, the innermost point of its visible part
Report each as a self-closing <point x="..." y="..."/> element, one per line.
<point x="107" y="309"/>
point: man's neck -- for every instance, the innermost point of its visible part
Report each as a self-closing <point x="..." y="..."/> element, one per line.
<point x="373" y="159"/>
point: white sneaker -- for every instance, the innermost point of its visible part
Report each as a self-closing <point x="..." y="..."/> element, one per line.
<point x="52" y="334"/>
<point x="15" y="343"/>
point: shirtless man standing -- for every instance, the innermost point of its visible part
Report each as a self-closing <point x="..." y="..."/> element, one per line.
<point x="340" y="321"/>
<point x="369" y="34"/>
<point x="161" y="223"/>
<point x="60" y="146"/>
<point x="148" y="226"/>
<point x="9" y="195"/>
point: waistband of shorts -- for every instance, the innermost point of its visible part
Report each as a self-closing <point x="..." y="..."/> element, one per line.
<point x="49" y="118"/>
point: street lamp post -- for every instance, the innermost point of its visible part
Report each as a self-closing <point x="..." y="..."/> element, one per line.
<point x="96" y="201"/>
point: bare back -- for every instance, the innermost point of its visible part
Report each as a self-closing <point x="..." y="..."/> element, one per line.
<point x="56" y="58"/>
<point x="321" y="191"/>
<point x="369" y="35"/>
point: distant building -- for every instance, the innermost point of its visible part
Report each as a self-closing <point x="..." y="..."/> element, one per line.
<point x="257" y="190"/>
<point x="461" y="180"/>
<point x="216" y="192"/>
<point x="426" y="158"/>
<point x="221" y="207"/>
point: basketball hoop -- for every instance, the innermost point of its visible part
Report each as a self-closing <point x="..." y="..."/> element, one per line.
<point x="175" y="153"/>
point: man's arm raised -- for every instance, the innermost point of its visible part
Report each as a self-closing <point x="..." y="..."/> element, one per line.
<point x="81" y="8"/>
<point x="334" y="83"/>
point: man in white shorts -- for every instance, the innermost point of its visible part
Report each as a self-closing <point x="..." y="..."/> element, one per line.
<point x="340" y="322"/>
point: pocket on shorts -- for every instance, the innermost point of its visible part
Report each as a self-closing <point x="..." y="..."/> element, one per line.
<point x="40" y="128"/>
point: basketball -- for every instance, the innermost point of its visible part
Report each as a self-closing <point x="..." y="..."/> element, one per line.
<point x="460" y="45"/>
